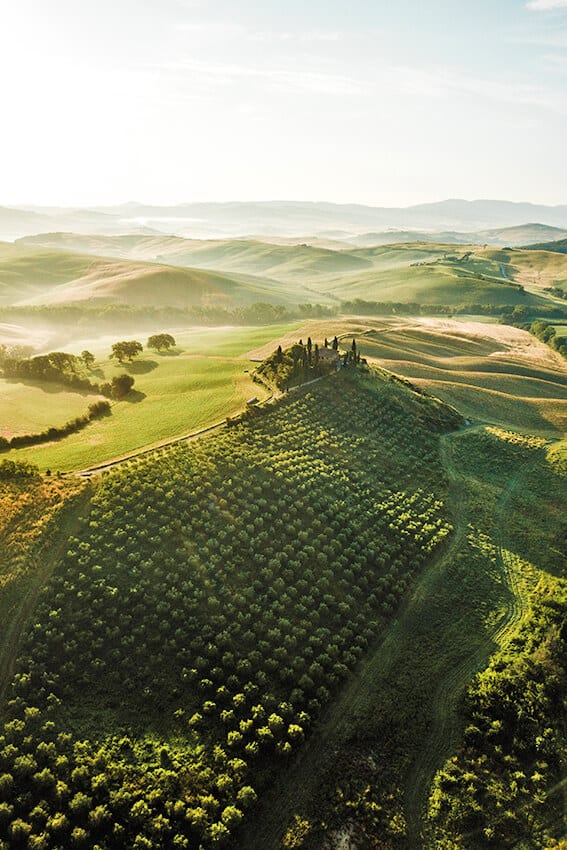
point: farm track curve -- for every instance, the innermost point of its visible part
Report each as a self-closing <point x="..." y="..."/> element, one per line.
<point x="443" y="736"/>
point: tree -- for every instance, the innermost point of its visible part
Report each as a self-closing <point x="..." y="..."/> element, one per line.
<point x="119" y="387"/>
<point x="88" y="358"/>
<point x="126" y="350"/>
<point x="160" y="342"/>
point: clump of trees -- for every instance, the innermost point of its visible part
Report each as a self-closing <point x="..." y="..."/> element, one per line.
<point x="118" y="387"/>
<point x="547" y="333"/>
<point x="14" y="352"/>
<point x="126" y="350"/>
<point x="11" y="470"/>
<point x="88" y="358"/>
<point x="513" y="748"/>
<point x="161" y="342"/>
<point x="56" y="367"/>
<point x="303" y="362"/>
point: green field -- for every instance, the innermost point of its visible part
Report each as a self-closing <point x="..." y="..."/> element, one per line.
<point x="175" y="393"/>
<point x="27" y="408"/>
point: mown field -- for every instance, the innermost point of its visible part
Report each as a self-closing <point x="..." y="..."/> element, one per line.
<point x="491" y="373"/>
<point x="27" y="407"/>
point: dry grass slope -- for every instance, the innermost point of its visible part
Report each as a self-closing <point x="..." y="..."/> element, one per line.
<point x="491" y="373"/>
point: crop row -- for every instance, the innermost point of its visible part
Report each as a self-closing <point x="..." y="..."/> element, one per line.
<point x="225" y="589"/>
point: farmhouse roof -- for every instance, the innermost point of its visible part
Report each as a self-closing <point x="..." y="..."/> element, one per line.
<point x="328" y="354"/>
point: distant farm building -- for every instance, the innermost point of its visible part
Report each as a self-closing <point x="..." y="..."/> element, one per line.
<point x="328" y="355"/>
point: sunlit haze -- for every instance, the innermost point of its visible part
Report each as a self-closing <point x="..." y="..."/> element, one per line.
<point x="374" y="102"/>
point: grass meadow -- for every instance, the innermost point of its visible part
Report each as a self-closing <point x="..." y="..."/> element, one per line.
<point x="201" y="382"/>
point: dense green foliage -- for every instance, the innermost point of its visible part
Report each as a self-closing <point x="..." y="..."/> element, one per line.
<point x="12" y="469"/>
<point x="558" y="245"/>
<point x="57" y="366"/>
<point x="522" y="315"/>
<point x="359" y="306"/>
<point x="547" y="333"/>
<point x="296" y="365"/>
<point x="214" y="601"/>
<point x="98" y="317"/>
<point x="505" y="785"/>
<point x="126" y="349"/>
<point x="161" y="342"/>
<point x="118" y="387"/>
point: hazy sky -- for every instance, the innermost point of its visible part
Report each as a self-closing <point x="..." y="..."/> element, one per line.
<point x="387" y="102"/>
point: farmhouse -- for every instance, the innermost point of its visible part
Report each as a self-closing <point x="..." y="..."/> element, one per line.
<point x="328" y="355"/>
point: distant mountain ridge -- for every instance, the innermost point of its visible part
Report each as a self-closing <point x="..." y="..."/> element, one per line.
<point x="283" y="218"/>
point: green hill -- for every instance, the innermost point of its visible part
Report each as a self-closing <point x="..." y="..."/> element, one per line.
<point x="279" y="261"/>
<point x="202" y="618"/>
<point x="559" y="246"/>
<point x="37" y="276"/>
<point x="153" y="269"/>
<point x="271" y="637"/>
<point x="432" y="274"/>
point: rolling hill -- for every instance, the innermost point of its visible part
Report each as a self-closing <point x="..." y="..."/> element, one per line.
<point x="559" y="246"/>
<point x="167" y="270"/>
<point x="501" y="237"/>
<point x="35" y="276"/>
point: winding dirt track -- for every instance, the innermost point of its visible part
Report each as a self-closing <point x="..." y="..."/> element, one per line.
<point x="443" y="736"/>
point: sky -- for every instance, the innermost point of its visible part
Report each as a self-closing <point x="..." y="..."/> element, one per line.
<point x="367" y="101"/>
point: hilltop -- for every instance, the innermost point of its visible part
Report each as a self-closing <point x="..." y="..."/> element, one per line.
<point x="516" y="236"/>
